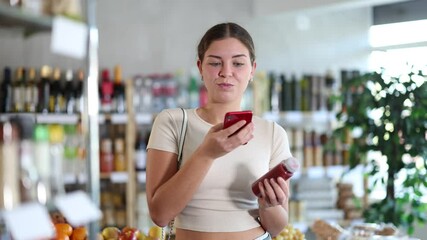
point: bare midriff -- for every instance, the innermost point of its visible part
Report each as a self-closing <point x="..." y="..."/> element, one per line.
<point x="183" y="234"/>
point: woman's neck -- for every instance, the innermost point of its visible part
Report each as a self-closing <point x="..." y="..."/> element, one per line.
<point x="214" y="114"/>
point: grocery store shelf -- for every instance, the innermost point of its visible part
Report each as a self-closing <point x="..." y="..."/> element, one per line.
<point x="114" y="177"/>
<point x="17" y="17"/>
<point x="319" y="121"/>
<point x="143" y="118"/>
<point x="57" y="118"/>
<point x="62" y="118"/>
<point x="49" y="118"/>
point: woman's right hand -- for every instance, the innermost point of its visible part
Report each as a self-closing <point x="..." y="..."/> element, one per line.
<point x="219" y="141"/>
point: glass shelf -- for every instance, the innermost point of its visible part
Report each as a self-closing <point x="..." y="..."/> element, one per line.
<point x="14" y="17"/>
<point x="320" y="121"/>
<point x="62" y="118"/>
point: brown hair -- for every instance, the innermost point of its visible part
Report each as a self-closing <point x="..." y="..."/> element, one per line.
<point x="222" y="31"/>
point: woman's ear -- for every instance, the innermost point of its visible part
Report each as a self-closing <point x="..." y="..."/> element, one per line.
<point x="253" y="70"/>
<point x="199" y="66"/>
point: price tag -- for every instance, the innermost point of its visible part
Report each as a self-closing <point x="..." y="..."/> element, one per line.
<point x="78" y="208"/>
<point x="29" y="221"/>
<point x="119" y="177"/>
<point x="69" y="37"/>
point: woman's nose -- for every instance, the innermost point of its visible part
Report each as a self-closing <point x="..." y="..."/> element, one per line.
<point x="225" y="71"/>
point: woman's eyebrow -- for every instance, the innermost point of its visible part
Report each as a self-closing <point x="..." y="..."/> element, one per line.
<point x="235" y="56"/>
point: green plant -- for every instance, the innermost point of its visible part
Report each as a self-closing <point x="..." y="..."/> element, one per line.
<point x="388" y="115"/>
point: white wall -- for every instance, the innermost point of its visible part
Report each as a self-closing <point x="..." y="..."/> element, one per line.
<point x="158" y="36"/>
<point x="313" y="42"/>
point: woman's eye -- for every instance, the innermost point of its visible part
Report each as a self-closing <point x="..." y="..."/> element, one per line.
<point x="238" y="64"/>
<point x="214" y="64"/>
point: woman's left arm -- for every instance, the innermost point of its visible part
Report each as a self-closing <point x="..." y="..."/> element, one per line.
<point x="273" y="205"/>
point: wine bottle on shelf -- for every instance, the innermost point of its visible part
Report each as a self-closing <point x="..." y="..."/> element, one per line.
<point x="137" y="96"/>
<point x="31" y="91"/>
<point x="106" y="92"/>
<point x="193" y="91"/>
<point x="106" y="156"/>
<point x="286" y="93"/>
<point x="314" y="93"/>
<point x="18" y="90"/>
<point x="44" y="89"/>
<point x="296" y="93"/>
<point x="147" y="96"/>
<point x="330" y="86"/>
<point x="321" y="94"/>
<point x="119" y="155"/>
<point x="6" y="91"/>
<point x="79" y="96"/>
<point x="71" y="144"/>
<point x="140" y="153"/>
<point x="70" y="92"/>
<point x="29" y="176"/>
<point x="345" y="77"/>
<point x="275" y="93"/>
<point x="56" y="140"/>
<point x="308" y="150"/>
<point x="158" y="103"/>
<point x="56" y="98"/>
<point x="9" y="166"/>
<point x="43" y="164"/>
<point x="317" y="149"/>
<point x="305" y="92"/>
<point x="170" y="90"/>
<point x="119" y="99"/>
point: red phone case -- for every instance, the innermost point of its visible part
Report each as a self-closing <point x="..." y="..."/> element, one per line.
<point x="233" y="117"/>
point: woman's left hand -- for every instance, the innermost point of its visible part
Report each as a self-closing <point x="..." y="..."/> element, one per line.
<point x="274" y="192"/>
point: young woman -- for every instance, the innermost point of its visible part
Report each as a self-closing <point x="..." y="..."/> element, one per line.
<point x="209" y="193"/>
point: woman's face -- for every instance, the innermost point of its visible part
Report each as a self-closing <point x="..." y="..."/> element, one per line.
<point x="226" y="70"/>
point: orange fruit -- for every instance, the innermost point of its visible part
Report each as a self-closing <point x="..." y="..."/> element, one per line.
<point x="79" y="233"/>
<point x="63" y="229"/>
<point x="62" y="236"/>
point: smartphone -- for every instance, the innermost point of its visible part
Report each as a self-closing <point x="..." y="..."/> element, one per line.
<point x="233" y="117"/>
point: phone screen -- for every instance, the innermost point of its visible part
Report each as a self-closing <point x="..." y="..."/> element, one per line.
<point x="233" y="117"/>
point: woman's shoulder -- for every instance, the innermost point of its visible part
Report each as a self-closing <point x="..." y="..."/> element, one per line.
<point x="262" y="122"/>
<point x="171" y="113"/>
<point x="267" y="125"/>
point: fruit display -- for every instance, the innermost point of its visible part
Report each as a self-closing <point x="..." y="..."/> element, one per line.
<point x="130" y="233"/>
<point x="290" y="233"/>
<point x="64" y="231"/>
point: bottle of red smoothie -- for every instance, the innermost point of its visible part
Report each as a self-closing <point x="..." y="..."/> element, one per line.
<point x="284" y="169"/>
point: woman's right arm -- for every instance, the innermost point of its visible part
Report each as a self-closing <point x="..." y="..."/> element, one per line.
<point x="169" y="190"/>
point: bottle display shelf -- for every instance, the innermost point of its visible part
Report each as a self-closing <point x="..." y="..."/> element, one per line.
<point x="16" y="17"/>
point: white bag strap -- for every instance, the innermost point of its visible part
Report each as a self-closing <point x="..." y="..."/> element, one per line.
<point x="180" y="147"/>
<point x="182" y="135"/>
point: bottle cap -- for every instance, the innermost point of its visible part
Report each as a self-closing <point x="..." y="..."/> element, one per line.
<point x="69" y="129"/>
<point x="292" y="164"/>
<point x="56" y="133"/>
<point x="41" y="133"/>
<point x="8" y="132"/>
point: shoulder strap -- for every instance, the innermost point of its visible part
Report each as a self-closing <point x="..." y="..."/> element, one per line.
<point x="182" y="135"/>
<point x="180" y="147"/>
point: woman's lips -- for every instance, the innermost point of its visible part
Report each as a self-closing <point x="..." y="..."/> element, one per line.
<point x="225" y="86"/>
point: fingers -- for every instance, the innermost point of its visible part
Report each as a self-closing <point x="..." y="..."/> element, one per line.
<point x="274" y="191"/>
<point x="234" y="128"/>
<point x="240" y="133"/>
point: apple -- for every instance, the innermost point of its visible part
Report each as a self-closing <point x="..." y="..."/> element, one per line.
<point x="111" y="233"/>
<point x="155" y="232"/>
<point x="129" y="233"/>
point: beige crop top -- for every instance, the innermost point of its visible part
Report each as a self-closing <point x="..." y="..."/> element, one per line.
<point x="224" y="201"/>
